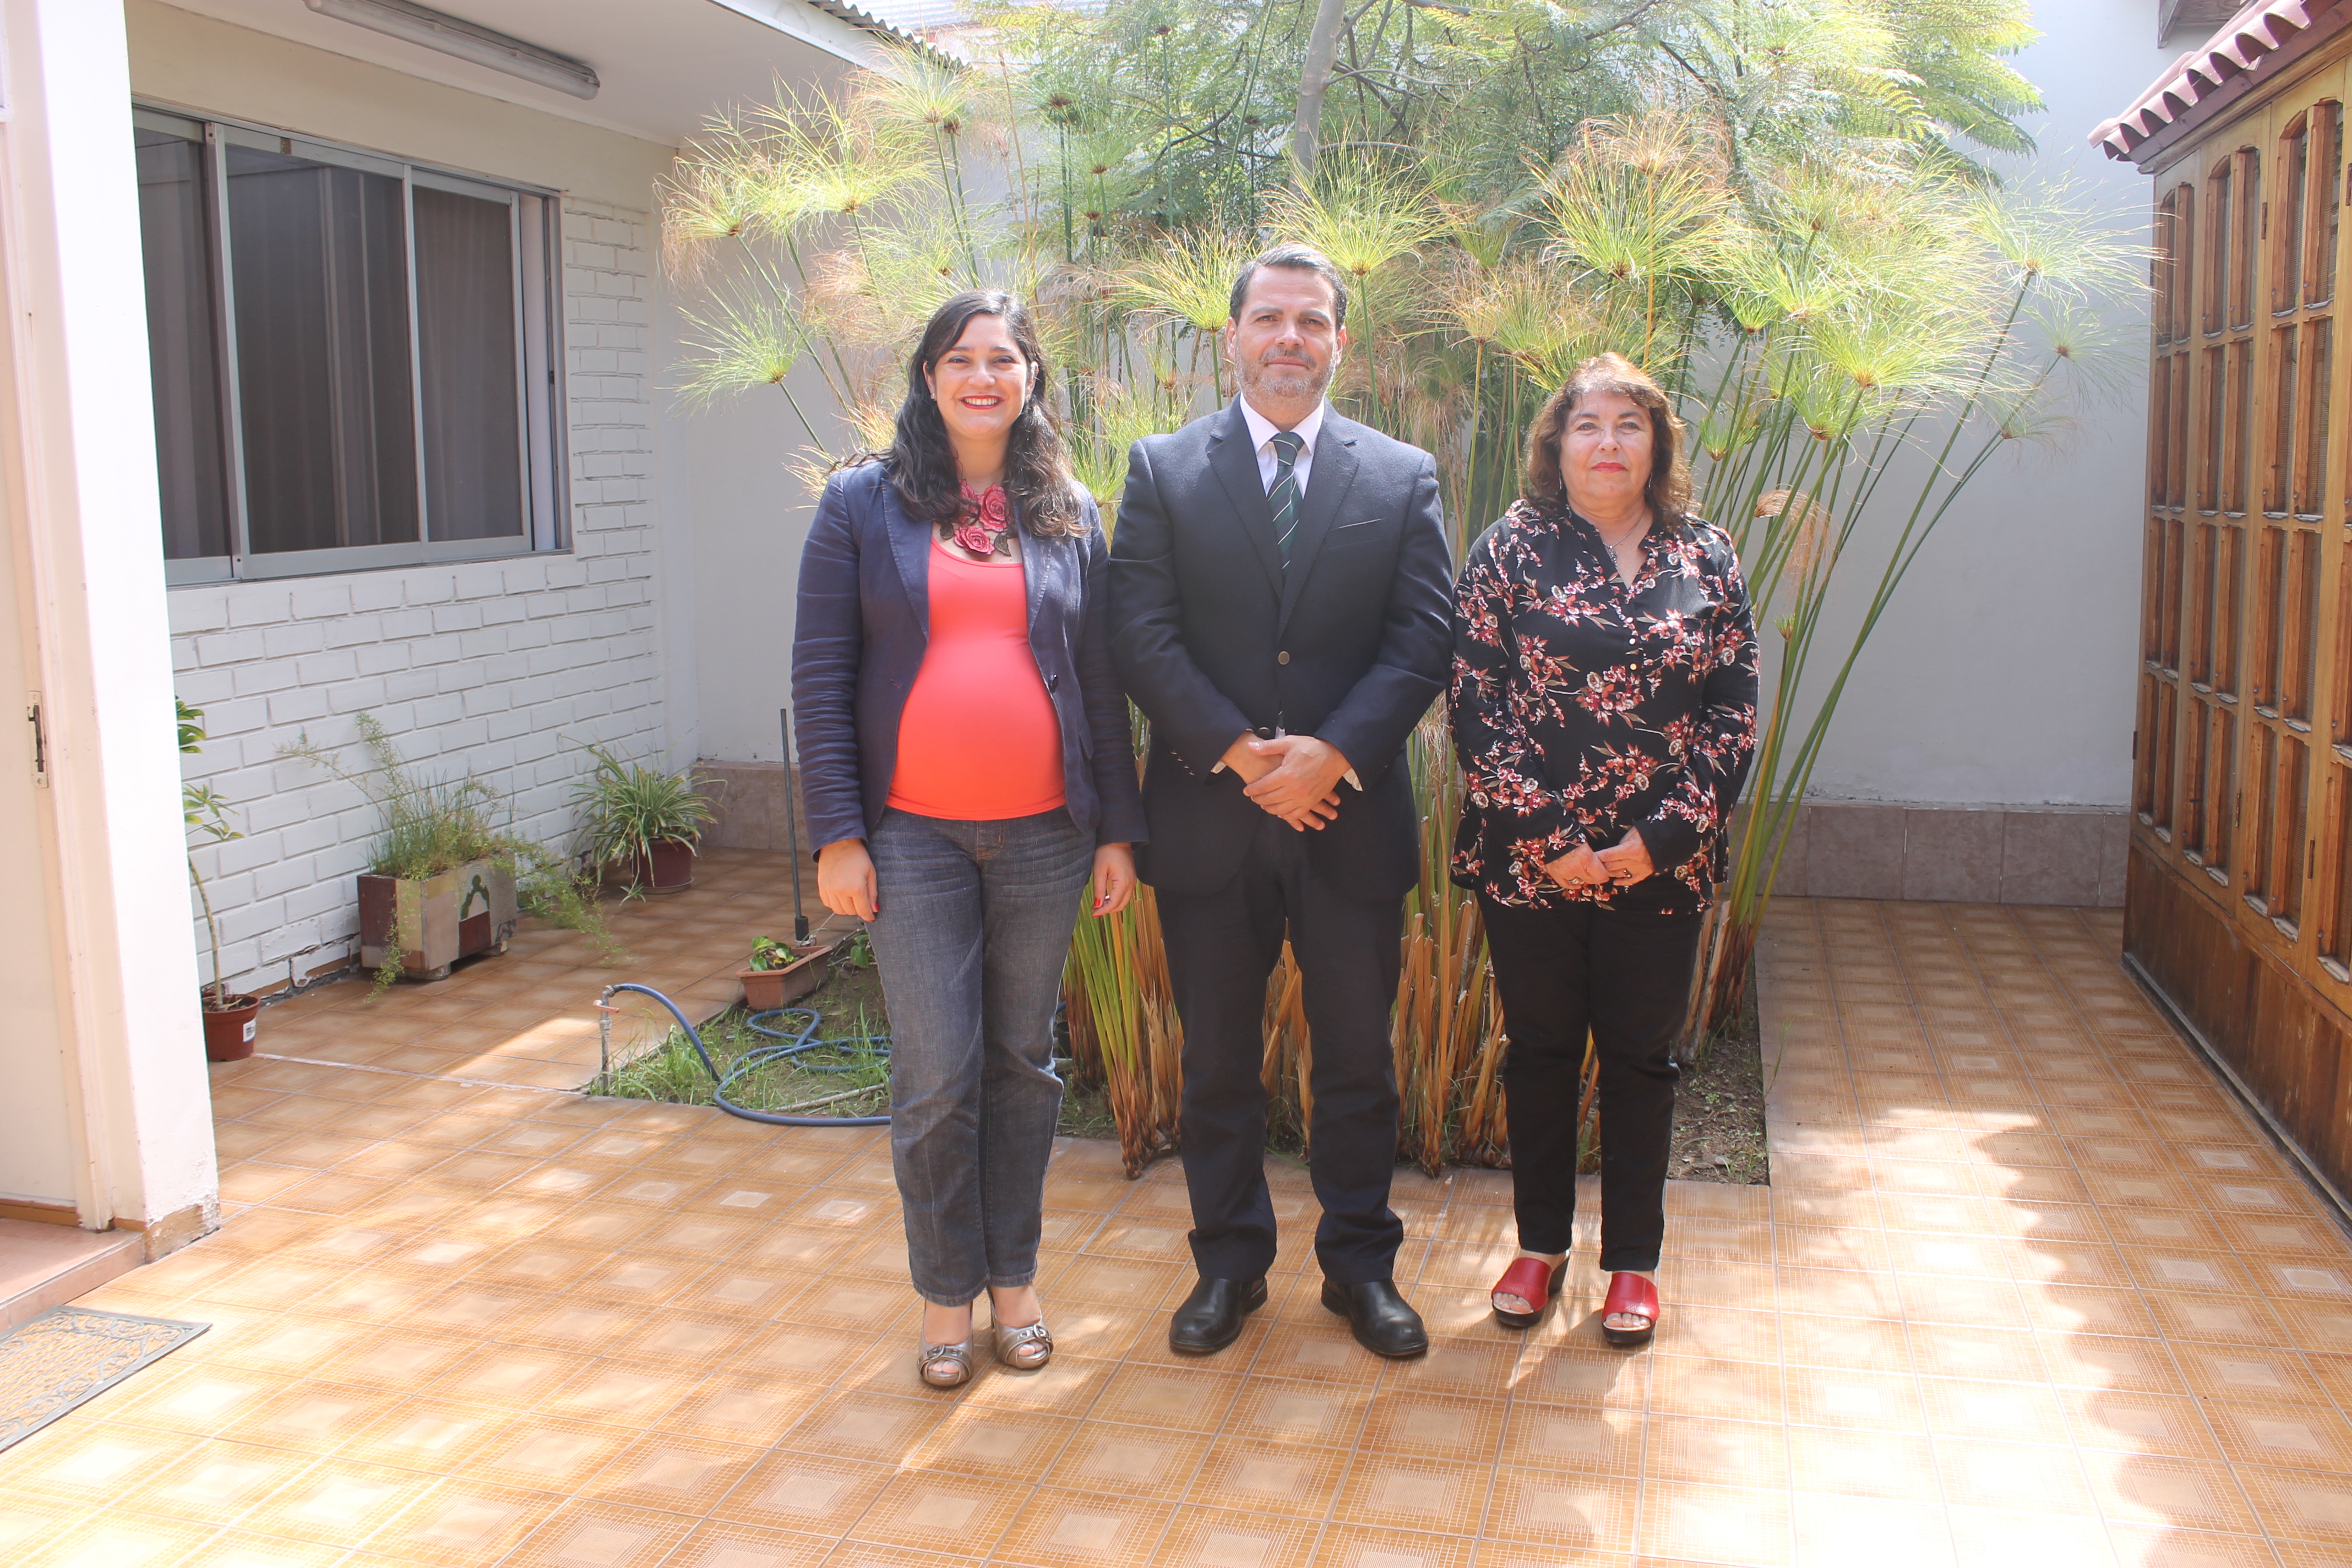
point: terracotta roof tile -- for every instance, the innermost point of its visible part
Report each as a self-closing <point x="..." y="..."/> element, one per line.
<point x="2258" y="28"/>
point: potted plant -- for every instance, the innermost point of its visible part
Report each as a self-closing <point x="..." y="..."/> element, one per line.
<point x="642" y="822"/>
<point x="780" y="975"/>
<point x="445" y="882"/>
<point x="232" y="1020"/>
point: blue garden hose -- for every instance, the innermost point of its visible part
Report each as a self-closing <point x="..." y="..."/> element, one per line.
<point x="788" y="1045"/>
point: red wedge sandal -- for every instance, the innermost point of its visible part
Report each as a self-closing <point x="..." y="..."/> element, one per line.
<point x="1635" y="1298"/>
<point x="1531" y="1280"/>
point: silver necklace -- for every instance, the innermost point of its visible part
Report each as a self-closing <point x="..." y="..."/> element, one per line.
<point x="1631" y="535"/>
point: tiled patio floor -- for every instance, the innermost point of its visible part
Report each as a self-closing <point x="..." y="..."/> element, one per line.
<point x="2027" y="1290"/>
<point x="529" y="1017"/>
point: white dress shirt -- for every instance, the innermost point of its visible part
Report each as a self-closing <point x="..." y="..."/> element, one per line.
<point x="1262" y="433"/>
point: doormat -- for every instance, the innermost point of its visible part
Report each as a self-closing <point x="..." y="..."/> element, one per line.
<point x="71" y="1355"/>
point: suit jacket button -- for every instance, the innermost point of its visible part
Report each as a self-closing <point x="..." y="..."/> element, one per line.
<point x="1282" y="657"/>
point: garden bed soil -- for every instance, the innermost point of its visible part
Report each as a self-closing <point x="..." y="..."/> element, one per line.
<point x="1718" y="1134"/>
<point x="849" y="1000"/>
<point x="1719" y="1108"/>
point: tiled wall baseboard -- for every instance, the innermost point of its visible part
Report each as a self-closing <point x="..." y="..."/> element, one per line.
<point x="750" y="801"/>
<point x="1958" y="854"/>
<point x="1840" y="850"/>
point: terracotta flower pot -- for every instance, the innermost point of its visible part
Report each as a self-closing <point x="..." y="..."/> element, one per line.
<point x="229" y="1031"/>
<point x="765" y="990"/>
<point x="667" y="869"/>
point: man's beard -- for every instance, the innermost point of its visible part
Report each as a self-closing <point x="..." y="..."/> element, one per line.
<point x="1285" y="383"/>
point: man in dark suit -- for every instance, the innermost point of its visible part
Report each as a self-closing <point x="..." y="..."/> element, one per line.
<point x="1279" y="599"/>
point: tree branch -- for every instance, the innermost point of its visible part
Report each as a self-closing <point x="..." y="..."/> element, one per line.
<point x="1627" y="20"/>
<point x="1713" y="91"/>
<point x="1322" y="48"/>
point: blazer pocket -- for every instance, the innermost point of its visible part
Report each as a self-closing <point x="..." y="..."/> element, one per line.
<point x="1347" y="535"/>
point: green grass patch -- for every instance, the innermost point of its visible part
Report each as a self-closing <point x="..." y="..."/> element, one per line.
<point x="857" y="1084"/>
<point x="849" y="1006"/>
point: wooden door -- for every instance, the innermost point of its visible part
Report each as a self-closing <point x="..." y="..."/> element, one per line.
<point x="2242" y="756"/>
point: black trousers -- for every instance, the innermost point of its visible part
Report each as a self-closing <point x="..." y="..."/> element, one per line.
<point x="1625" y="976"/>
<point x="1222" y="946"/>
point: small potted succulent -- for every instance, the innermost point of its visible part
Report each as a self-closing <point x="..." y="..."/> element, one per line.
<point x="641" y="825"/>
<point x="780" y="975"/>
<point x="232" y="1020"/>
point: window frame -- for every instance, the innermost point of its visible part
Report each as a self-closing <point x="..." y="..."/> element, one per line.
<point x="542" y="400"/>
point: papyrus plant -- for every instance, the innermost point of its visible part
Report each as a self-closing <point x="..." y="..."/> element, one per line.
<point x="1886" y="342"/>
<point x="1771" y="210"/>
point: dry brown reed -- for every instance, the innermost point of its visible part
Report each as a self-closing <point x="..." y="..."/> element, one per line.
<point x="1123" y="1026"/>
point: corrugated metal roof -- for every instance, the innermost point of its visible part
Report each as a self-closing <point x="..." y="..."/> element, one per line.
<point x="2258" y="29"/>
<point x="871" y="21"/>
<point x="922" y="16"/>
<point x="925" y="16"/>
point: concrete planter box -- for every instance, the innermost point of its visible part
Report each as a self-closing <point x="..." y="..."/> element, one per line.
<point x="441" y="920"/>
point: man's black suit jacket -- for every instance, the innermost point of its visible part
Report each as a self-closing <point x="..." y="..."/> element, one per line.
<point x="1211" y="636"/>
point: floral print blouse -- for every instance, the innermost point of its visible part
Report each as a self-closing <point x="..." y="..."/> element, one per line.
<point x="1582" y="707"/>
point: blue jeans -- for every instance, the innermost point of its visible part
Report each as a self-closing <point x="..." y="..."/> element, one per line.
<point x="973" y="925"/>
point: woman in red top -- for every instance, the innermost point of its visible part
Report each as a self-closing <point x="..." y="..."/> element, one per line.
<point x="966" y="765"/>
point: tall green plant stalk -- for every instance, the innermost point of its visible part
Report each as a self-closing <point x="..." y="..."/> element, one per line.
<point x="205" y="811"/>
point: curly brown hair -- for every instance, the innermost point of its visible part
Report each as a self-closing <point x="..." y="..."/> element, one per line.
<point x="1037" y="477"/>
<point x="1668" y="488"/>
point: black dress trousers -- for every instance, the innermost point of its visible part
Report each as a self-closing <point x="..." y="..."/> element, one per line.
<point x="1624" y="975"/>
<point x="1222" y="946"/>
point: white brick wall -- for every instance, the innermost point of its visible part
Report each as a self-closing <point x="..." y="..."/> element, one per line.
<point x="498" y="670"/>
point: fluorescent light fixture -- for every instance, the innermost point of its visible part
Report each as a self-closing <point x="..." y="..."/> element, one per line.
<point x="466" y="41"/>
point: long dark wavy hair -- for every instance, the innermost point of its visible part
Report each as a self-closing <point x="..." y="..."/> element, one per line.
<point x="922" y="467"/>
<point x="1668" y="490"/>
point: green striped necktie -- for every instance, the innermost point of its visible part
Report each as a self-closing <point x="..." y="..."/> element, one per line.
<point x="1284" y="497"/>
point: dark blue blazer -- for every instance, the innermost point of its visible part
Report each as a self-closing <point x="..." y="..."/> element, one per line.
<point x="1214" y="637"/>
<point x="865" y="619"/>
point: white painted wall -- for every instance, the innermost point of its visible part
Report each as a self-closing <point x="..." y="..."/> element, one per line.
<point x="77" y="457"/>
<point x="2004" y="674"/>
<point x="37" y="1152"/>
<point x="750" y="517"/>
<point x="500" y="670"/>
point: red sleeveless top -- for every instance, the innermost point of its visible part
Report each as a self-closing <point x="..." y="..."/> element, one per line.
<point x="979" y="739"/>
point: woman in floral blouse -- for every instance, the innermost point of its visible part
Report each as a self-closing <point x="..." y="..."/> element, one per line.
<point x="1604" y="710"/>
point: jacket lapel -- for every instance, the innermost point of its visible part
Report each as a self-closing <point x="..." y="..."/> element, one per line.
<point x="1235" y="466"/>
<point x="1038" y="557"/>
<point x="1329" y="478"/>
<point x="910" y="550"/>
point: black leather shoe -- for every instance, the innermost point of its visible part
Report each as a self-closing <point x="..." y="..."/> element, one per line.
<point x="1211" y="1317"/>
<point x="1384" y="1321"/>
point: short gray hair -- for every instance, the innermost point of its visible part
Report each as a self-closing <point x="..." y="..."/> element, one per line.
<point x="1303" y="258"/>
